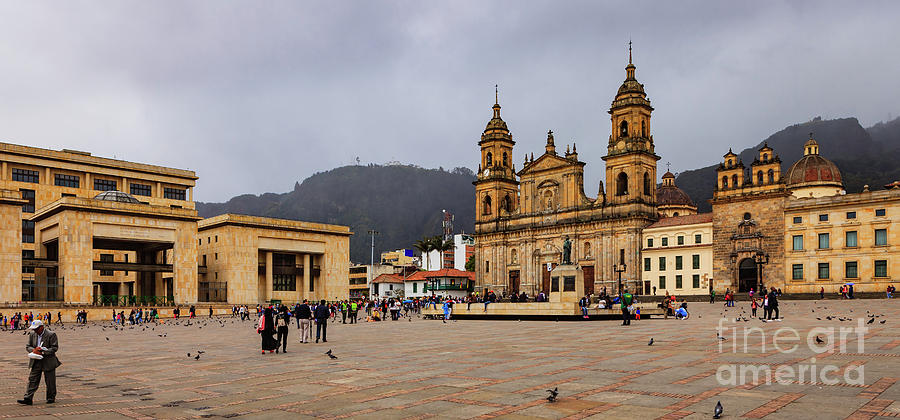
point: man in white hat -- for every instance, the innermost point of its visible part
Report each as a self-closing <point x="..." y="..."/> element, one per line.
<point x="42" y="346"/>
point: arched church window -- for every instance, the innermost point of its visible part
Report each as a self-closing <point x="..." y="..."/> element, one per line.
<point x="623" y="129"/>
<point x="507" y="204"/>
<point x="486" y="205"/>
<point x="643" y="128"/>
<point x="622" y="184"/>
<point x="771" y="176"/>
<point x="765" y="157"/>
<point x="504" y="160"/>
<point x="548" y="200"/>
<point x="747" y="216"/>
<point x="759" y="177"/>
<point x="675" y="214"/>
<point x="489" y="159"/>
<point x="724" y="182"/>
<point x="734" y="181"/>
<point x="646" y="183"/>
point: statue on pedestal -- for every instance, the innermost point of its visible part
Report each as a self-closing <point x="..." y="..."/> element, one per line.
<point x="567" y="251"/>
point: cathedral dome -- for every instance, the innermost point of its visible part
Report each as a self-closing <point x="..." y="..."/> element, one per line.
<point x="813" y="170"/>
<point x="670" y="195"/>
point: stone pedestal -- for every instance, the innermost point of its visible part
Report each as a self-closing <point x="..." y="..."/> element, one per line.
<point x="566" y="283"/>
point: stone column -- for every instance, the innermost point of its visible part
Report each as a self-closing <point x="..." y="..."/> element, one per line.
<point x="184" y="264"/>
<point x="307" y="276"/>
<point x="269" y="275"/>
<point x="76" y="252"/>
<point x="3" y="168"/>
<point x="11" y="249"/>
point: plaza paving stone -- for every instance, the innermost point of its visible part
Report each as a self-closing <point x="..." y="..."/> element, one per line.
<point x="466" y="369"/>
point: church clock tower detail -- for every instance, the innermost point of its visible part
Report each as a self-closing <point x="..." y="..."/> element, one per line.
<point x="631" y="159"/>
<point x="496" y="187"/>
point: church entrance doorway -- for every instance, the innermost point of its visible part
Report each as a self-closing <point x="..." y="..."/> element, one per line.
<point x="588" y="271"/>
<point x="513" y="282"/>
<point x="747" y="275"/>
<point x="545" y="279"/>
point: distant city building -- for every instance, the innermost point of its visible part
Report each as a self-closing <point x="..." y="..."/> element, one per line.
<point x="463" y="248"/>
<point x="387" y="286"/>
<point x="447" y="282"/>
<point x="400" y="257"/>
<point x="361" y="277"/>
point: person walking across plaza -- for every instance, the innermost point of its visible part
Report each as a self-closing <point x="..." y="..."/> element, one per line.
<point x="42" y="347"/>
<point x="626" y="301"/>
<point x="282" y="321"/>
<point x="354" y="308"/>
<point x="304" y="318"/>
<point x="773" y="305"/>
<point x="321" y="314"/>
<point x="266" y="330"/>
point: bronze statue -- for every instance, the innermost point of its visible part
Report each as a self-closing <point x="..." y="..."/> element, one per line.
<point x="567" y="251"/>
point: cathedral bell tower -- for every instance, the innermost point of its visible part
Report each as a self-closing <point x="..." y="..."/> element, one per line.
<point x="496" y="187"/>
<point x="631" y="160"/>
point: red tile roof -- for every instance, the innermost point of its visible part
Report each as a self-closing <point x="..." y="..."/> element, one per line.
<point x="446" y="272"/>
<point x="683" y="220"/>
<point x="388" y="278"/>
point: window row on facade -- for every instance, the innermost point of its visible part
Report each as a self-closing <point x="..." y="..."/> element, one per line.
<point x="679" y="282"/>
<point x="851" y="270"/>
<point x="850" y="215"/>
<point x="851" y="240"/>
<point x="679" y="263"/>
<point x="99" y="184"/>
<point x="679" y="240"/>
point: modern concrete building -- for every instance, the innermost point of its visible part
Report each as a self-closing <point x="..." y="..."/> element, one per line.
<point x="361" y="276"/>
<point x="70" y="235"/>
<point x="463" y="248"/>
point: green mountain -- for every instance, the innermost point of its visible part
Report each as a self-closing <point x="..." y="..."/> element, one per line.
<point x="865" y="156"/>
<point x="403" y="203"/>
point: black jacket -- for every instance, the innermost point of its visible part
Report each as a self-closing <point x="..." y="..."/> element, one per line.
<point x="773" y="300"/>
<point x="303" y="312"/>
<point x="322" y="313"/>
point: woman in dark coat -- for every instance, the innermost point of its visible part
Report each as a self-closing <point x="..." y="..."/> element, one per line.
<point x="266" y="329"/>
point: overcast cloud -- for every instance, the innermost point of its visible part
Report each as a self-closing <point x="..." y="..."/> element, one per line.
<point x="254" y="96"/>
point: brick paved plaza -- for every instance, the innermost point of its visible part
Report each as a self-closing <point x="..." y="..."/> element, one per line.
<point x="465" y="369"/>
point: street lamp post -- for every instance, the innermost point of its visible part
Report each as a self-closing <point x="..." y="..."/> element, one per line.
<point x="619" y="272"/>
<point x="760" y="258"/>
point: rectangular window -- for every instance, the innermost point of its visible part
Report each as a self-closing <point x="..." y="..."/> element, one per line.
<point x="662" y="263"/>
<point x="284" y="282"/>
<point x="798" y="219"/>
<point x="25" y="175"/>
<point x="797" y="271"/>
<point x="63" y="180"/>
<point x="27" y="232"/>
<point x="851" y="215"/>
<point x="27" y="254"/>
<point x="880" y="237"/>
<point x="665" y="241"/>
<point x="141" y="189"/>
<point x="415" y="287"/>
<point x="698" y="238"/>
<point x="649" y="242"/>
<point x="106" y="258"/>
<point x="680" y="240"/>
<point x="104" y="185"/>
<point x="850" y="270"/>
<point x="621" y="256"/>
<point x="487" y="266"/>
<point x="175" y="193"/>
<point x="204" y="261"/>
<point x="798" y="242"/>
<point x="880" y="212"/>
<point x="695" y="281"/>
<point x="851" y="239"/>
<point x="29" y="206"/>
<point x="823" y="241"/>
<point x="695" y="261"/>
<point x="679" y="263"/>
<point x="646" y="264"/>
<point x="881" y="268"/>
<point x="662" y="282"/>
<point x="824" y="271"/>
<point x="678" y="284"/>
<point x="823" y="217"/>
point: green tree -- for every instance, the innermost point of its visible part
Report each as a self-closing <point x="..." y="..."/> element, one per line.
<point x="470" y="263"/>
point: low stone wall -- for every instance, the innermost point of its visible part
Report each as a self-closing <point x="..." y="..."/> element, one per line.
<point x="104" y="313"/>
<point x="534" y="309"/>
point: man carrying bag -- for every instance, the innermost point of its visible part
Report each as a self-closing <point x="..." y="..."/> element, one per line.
<point x="42" y="347"/>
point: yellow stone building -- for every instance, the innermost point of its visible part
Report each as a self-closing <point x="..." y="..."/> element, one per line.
<point x="677" y="255"/>
<point x="801" y="232"/>
<point x="70" y="235"/>
<point x="522" y="218"/>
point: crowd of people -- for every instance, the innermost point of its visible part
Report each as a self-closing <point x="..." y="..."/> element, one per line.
<point x="21" y="321"/>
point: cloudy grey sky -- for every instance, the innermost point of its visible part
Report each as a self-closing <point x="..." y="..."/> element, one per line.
<point x="254" y="96"/>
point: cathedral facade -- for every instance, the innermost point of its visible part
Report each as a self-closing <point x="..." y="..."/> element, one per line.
<point x="523" y="217"/>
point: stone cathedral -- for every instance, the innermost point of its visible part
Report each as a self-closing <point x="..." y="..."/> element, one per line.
<point x="522" y="218"/>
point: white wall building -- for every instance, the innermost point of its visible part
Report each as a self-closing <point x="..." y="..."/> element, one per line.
<point x="677" y="255"/>
<point x="463" y="247"/>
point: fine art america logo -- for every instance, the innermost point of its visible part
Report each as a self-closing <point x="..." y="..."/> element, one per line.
<point x="805" y="369"/>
